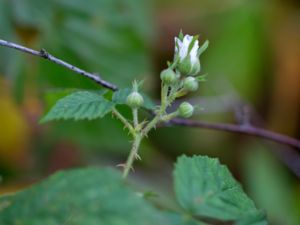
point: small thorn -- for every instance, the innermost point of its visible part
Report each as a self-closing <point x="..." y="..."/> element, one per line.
<point x="122" y="165"/>
<point x="137" y="157"/>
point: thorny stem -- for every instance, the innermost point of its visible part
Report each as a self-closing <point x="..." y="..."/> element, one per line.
<point x="161" y="112"/>
<point x="133" y="155"/>
<point x="141" y="134"/>
<point x="124" y="121"/>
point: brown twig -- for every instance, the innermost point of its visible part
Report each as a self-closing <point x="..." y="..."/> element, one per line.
<point x="242" y="129"/>
<point x="44" y="54"/>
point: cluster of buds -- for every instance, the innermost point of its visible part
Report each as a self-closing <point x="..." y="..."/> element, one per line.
<point x="180" y="78"/>
<point x="182" y="73"/>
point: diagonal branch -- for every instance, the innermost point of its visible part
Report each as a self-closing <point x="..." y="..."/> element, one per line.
<point x="44" y="54"/>
<point x="242" y="129"/>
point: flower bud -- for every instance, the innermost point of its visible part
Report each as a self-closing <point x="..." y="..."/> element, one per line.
<point x="186" y="49"/>
<point x="189" y="67"/>
<point x="168" y="76"/>
<point x="186" y="110"/>
<point x="190" y="84"/>
<point x="135" y="100"/>
<point x="185" y="66"/>
<point x="196" y="67"/>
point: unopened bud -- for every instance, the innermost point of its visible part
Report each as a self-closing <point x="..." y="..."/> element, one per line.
<point x="190" y="84"/>
<point x="135" y="100"/>
<point x="189" y="67"/>
<point x="168" y="76"/>
<point x="186" y="110"/>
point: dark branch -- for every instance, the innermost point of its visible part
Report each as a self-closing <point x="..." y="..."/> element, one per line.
<point x="242" y="129"/>
<point x="44" y="54"/>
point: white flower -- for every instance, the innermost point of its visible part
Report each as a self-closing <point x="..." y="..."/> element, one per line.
<point x="187" y="51"/>
<point x="182" y="48"/>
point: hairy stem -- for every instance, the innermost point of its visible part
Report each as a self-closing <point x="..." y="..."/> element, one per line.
<point x="169" y="116"/>
<point x="132" y="156"/>
<point x="164" y="98"/>
<point x="124" y="121"/>
<point x="135" y="117"/>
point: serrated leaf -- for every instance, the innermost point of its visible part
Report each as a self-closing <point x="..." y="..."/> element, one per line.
<point x="206" y="188"/>
<point x="78" y="106"/>
<point x="119" y="97"/>
<point x="53" y="95"/>
<point x="90" y="196"/>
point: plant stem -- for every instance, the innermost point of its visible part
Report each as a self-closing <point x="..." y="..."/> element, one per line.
<point x="141" y="134"/>
<point x="124" y="121"/>
<point x="161" y="111"/>
<point x="133" y="154"/>
<point x="170" y="116"/>
<point x="164" y="98"/>
<point x="135" y="117"/>
<point x="151" y="124"/>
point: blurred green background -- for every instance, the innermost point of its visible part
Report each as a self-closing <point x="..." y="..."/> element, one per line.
<point x="253" y="63"/>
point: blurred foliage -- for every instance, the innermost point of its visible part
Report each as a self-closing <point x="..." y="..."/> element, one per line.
<point x="106" y="199"/>
<point x="57" y="201"/>
<point x="112" y="37"/>
<point x="270" y="185"/>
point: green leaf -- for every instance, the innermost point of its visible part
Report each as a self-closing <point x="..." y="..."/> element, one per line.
<point x="257" y="218"/>
<point x="79" y="105"/>
<point x="180" y="35"/>
<point x="53" y="95"/>
<point x="263" y="170"/>
<point x="206" y="188"/>
<point x="201" y="78"/>
<point x="195" y="38"/>
<point x="82" y="196"/>
<point x="203" y="48"/>
<point x="181" y="219"/>
<point x="119" y="97"/>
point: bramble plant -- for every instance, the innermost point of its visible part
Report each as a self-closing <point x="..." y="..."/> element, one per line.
<point x="205" y="189"/>
<point x="180" y="78"/>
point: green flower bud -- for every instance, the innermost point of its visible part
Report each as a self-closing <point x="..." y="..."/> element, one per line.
<point x="185" y="66"/>
<point x="196" y="67"/>
<point x="186" y="110"/>
<point x="168" y="76"/>
<point x="190" y="84"/>
<point x="135" y="100"/>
